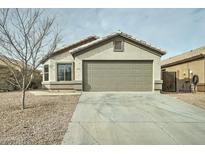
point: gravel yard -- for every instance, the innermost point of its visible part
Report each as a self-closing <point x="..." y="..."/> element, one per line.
<point x="197" y="99"/>
<point x="43" y="122"/>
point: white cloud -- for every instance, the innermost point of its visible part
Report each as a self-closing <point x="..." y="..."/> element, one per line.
<point x="175" y="30"/>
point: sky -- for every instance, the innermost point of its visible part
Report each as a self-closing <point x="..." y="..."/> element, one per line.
<point x="174" y="30"/>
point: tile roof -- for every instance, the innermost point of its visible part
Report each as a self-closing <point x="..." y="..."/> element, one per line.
<point x="71" y="46"/>
<point x="93" y="40"/>
<point x="187" y="56"/>
<point x="144" y="43"/>
<point x="79" y="43"/>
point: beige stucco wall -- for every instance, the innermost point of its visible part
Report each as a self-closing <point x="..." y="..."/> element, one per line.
<point x="131" y="52"/>
<point x="53" y="61"/>
<point x="103" y="52"/>
<point x="196" y="66"/>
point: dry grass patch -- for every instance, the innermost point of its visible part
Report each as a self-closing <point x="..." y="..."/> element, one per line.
<point x="197" y="99"/>
<point x="43" y="122"/>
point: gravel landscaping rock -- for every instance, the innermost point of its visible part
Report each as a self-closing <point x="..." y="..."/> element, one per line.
<point x="44" y="121"/>
<point x="197" y="99"/>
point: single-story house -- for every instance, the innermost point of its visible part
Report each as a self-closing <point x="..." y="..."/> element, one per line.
<point x="117" y="62"/>
<point x="178" y="71"/>
<point x="6" y="75"/>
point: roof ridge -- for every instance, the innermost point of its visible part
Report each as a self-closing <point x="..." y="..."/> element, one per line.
<point x="123" y="35"/>
<point x="77" y="46"/>
<point x="81" y="40"/>
<point x="197" y="52"/>
<point x="143" y="42"/>
<point x="186" y="52"/>
<point x="72" y="46"/>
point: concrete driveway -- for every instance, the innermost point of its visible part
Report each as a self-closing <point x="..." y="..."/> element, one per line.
<point x="135" y="118"/>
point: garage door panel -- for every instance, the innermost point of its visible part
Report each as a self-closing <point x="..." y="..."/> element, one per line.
<point x="117" y="75"/>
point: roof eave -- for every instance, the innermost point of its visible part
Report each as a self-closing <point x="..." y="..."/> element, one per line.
<point x="161" y="52"/>
<point x="184" y="60"/>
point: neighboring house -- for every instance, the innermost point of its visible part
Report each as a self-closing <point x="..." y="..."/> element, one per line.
<point x="182" y="68"/>
<point x="6" y="74"/>
<point x="117" y="62"/>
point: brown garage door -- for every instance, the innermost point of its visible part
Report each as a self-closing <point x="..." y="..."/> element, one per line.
<point x="117" y="75"/>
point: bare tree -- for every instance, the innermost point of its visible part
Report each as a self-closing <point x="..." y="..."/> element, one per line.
<point x="26" y="36"/>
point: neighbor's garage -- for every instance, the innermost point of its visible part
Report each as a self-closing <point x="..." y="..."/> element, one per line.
<point x="115" y="75"/>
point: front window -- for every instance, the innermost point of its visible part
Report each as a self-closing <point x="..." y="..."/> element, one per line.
<point x="46" y="73"/>
<point x="64" y="72"/>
